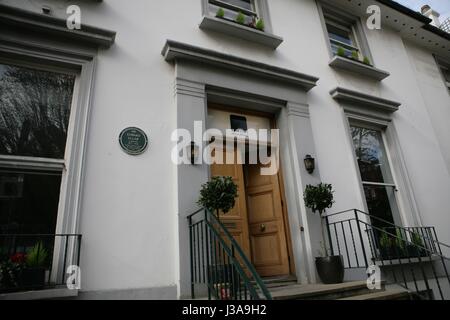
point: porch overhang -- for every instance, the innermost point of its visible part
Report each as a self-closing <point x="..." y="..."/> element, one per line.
<point x="174" y="51"/>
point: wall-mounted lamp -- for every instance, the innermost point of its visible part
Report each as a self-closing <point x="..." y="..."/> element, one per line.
<point x="194" y="152"/>
<point x="309" y="163"/>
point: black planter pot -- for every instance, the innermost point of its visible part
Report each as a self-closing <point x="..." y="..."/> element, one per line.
<point x="330" y="269"/>
<point x="33" y="278"/>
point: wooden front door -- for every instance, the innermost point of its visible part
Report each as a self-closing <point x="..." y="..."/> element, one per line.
<point x="268" y="244"/>
<point x="236" y="220"/>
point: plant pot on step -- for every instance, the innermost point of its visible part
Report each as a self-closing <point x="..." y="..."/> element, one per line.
<point x="33" y="278"/>
<point x="330" y="269"/>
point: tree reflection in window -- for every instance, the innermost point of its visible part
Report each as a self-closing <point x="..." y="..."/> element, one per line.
<point x="371" y="156"/>
<point x="34" y="111"/>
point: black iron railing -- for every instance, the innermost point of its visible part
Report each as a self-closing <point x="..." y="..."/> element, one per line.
<point x="411" y="257"/>
<point x="218" y="264"/>
<point x="37" y="261"/>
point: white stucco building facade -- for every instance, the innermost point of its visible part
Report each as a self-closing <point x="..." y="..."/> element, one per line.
<point x="160" y="66"/>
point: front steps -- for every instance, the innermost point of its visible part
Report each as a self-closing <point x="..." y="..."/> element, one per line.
<point x="355" y="290"/>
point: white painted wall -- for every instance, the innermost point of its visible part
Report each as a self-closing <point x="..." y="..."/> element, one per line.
<point x="129" y="213"/>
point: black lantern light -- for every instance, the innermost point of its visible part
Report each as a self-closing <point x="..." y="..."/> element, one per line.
<point x="309" y="163"/>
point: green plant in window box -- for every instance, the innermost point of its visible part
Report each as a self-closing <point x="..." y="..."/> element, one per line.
<point x="417" y="246"/>
<point x="33" y="275"/>
<point x="260" y="25"/>
<point x="366" y="60"/>
<point x="240" y="18"/>
<point x="400" y="243"/>
<point x="355" y="55"/>
<point x="340" y="52"/>
<point x="220" y="13"/>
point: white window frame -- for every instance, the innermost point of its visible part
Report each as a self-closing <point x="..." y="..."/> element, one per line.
<point x="399" y="219"/>
<point x="81" y="63"/>
<point x="405" y="198"/>
<point x="443" y="65"/>
<point x="343" y="20"/>
<point x="224" y="4"/>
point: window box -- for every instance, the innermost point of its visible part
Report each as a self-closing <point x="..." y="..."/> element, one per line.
<point x="358" y="67"/>
<point x="240" y="31"/>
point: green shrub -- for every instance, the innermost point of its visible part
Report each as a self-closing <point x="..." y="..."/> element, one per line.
<point x="385" y="241"/>
<point x="355" y="55"/>
<point x="36" y="256"/>
<point x="218" y="194"/>
<point x="260" y="25"/>
<point x="318" y="198"/>
<point x="220" y="13"/>
<point x="367" y="61"/>
<point x="240" y="18"/>
<point x="340" y="52"/>
<point x="416" y="239"/>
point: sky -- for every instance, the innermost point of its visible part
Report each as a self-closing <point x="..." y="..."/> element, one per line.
<point x="441" y="6"/>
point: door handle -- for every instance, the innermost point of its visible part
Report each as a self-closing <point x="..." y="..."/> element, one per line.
<point x="262" y="227"/>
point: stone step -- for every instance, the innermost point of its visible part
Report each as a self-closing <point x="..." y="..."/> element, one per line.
<point x="397" y="294"/>
<point x="321" y="291"/>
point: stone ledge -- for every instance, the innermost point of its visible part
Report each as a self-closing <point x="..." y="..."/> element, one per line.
<point x="174" y="50"/>
<point x="240" y="31"/>
<point x="364" y="100"/>
<point x="55" y="293"/>
<point x="359" y="68"/>
<point x="55" y="27"/>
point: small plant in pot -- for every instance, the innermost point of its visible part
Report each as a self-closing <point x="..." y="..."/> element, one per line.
<point x="319" y="198"/>
<point x="417" y="247"/>
<point x="33" y="275"/>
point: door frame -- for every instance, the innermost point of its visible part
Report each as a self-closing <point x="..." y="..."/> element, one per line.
<point x="273" y="125"/>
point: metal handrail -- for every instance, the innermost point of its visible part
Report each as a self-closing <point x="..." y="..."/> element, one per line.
<point x="249" y="266"/>
<point x="397" y="252"/>
<point x="387" y="222"/>
<point x="61" y="250"/>
<point x="201" y="259"/>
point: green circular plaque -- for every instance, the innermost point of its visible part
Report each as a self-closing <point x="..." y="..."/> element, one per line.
<point x="133" y="140"/>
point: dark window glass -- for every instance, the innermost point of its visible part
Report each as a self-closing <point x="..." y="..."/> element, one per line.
<point x="238" y="122"/>
<point x="34" y="111"/>
<point x="28" y="201"/>
<point x="379" y="201"/>
<point x="339" y="35"/>
<point x="371" y="155"/>
<point x="245" y="4"/>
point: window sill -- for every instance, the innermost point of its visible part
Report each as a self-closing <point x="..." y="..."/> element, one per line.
<point x="55" y="293"/>
<point x="240" y="31"/>
<point x="358" y="67"/>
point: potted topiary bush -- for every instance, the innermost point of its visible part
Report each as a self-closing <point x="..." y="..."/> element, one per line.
<point x="319" y="198"/>
<point x="33" y="275"/>
<point x="218" y="195"/>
